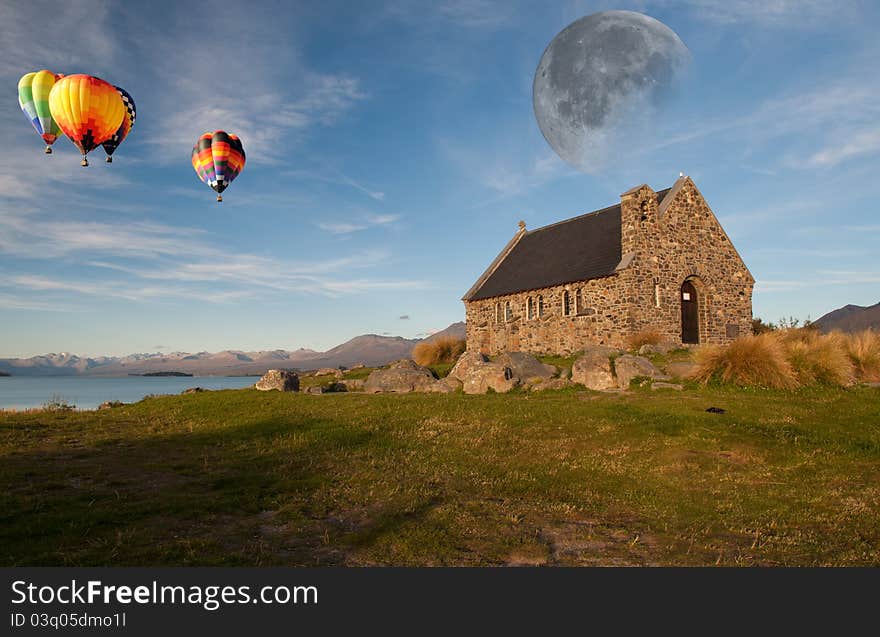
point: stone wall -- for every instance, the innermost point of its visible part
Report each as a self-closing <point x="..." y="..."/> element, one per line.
<point x="664" y="247"/>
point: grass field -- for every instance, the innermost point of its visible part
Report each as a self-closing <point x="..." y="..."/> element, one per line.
<point x="569" y="477"/>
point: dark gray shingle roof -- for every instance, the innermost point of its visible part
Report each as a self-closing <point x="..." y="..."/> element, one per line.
<point x="585" y="247"/>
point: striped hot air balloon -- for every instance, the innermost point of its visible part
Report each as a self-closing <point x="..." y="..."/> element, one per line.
<point x="33" y="97"/>
<point x="88" y="110"/>
<point x="127" y="122"/>
<point x="218" y="158"/>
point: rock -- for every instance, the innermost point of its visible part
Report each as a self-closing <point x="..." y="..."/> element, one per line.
<point x="358" y="366"/>
<point x="659" y="348"/>
<point x="481" y="378"/>
<point x="405" y="363"/>
<point x="328" y="371"/>
<point x="593" y="369"/>
<point x="628" y="367"/>
<point x="465" y="363"/>
<point x="110" y="404"/>
<point x="353" y="384"/>
<point x="193" y="390"/>
<point x="666" y="386"/>
<point x="445" y="386"/>
<point x="279" y="379"/>
<point x="335" y="388"/>
<point x="551" y="384"/>
<point x="400" y="378"/>
<point x="526" y="367"/>
<point x="314" y="389"/>
<point x="681" y="369"/>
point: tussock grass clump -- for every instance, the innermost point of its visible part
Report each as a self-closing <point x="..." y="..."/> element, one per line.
<point x="749" y="361"/>
<point x="863" y="349"/>
<point x="817" y="358"/>
<point x="645" y="337"/>
<point x="442" y="350"/>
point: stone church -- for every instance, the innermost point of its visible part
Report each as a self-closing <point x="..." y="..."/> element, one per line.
<point x="656" y="261"/>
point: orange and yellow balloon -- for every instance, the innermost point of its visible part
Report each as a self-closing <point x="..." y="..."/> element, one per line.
<point x="88" y="110"/>
<point x="33" y="97"/>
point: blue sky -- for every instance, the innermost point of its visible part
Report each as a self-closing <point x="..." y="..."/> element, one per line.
<point x="392" y="148"/>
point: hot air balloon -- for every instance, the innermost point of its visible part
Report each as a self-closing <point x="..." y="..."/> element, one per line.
<point x="33" y="97"/>
<point x="88" y="110"/>
<point x="218" y="158"/>
<point x="127" y="123"/>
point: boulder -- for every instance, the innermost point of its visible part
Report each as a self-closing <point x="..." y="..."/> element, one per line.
<point x="445" y="386"/>
<point x="672" y="386"/>
<point x="551" y="384"/>
<point x="495" y="376"/>
<point x="279" y="379"/>
<point x="593" y="369"/>
<point x="659" y="348"/>
<point x="352" y="384"/>
<point x="193" y="390"/>
<point x="526" y="367"/>
<point x="465" y="363"/>
<point x="329" y="371"/>
<point x="628" y="367"/>
<point x="400" y="378"/>
<point x="314" y="389"/>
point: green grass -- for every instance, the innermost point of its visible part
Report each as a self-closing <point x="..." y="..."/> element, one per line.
<point x="241" y="477"/>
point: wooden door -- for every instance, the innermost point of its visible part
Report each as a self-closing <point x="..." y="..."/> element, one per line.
<point x="690" y="316"/>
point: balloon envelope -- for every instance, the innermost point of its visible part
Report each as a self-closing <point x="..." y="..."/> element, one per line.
<point x="218" y="158"/>
<point x="33" y="97"/>
<point x="127" y="122"/>
<point x="88" y="110"/>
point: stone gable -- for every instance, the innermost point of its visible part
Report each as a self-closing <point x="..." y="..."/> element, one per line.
<point x="665" y="243"/>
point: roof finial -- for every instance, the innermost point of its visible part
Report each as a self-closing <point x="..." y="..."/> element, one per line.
<point x="522" y="225"/>
<point x="680" y="175"/>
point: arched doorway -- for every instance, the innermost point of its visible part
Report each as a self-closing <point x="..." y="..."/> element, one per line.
<point x="690" y="314"/>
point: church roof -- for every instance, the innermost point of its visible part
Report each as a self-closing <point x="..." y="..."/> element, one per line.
<point x="578" y="249"/>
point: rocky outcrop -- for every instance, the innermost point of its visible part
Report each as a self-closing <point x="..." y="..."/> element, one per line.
<point x="627" y="367"/>
<point x="593" y="369"/>
<point x="526" y="367"/>
<point x="352" y="384"/>
<point x="495" y="376"/>
<point x="445" y="386"/>
<point x="401" y="377"/>
<point x="279" y="379"/>
<point x="465" y="363"/>
<point x="329" y="371"/>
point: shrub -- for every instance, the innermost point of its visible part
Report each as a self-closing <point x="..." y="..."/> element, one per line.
<point x="863" y="349"/>
<point x="442" y="350"/>
<point x="645" y="337"/>
<point x="751" y="361"/>
<point x="817" y="358"/>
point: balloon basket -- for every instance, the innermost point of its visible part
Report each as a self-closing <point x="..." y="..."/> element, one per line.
<point x="48" y="150"/>
<point x="109" y="160"/>
<point x="84" y="162"/>
<point x="219" y="198"/>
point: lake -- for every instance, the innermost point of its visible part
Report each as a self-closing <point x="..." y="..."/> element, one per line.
<point x="22" y="392"/>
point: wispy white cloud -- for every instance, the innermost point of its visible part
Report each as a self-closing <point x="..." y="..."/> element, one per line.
<point x="786" y="14"/>
<point x="348" y="227"/>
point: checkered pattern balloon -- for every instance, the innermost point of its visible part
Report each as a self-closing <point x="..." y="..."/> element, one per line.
<point x="218" y="158"/>
<point x="33" y="97"/>
<point x="88" y="110"/>
<point x="127" y="122"/>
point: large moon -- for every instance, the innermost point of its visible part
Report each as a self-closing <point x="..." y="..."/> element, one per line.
<point x="599" y="74"/>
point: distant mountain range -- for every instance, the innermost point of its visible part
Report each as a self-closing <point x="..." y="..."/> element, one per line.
<point x="369" y="349"/>
<point x="850" y="318"/>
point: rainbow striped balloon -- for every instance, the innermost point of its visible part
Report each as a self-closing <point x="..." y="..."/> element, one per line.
<point x="218" y="158"/>
<point x="33" y="97"/>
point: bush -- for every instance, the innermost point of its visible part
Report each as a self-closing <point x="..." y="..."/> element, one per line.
<point x="817" y="358"/>
<point x="751" y="361"/>
<point x="863" y="349"/>
<point x="645" y="337"/>
<point x="442" y="350"/>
